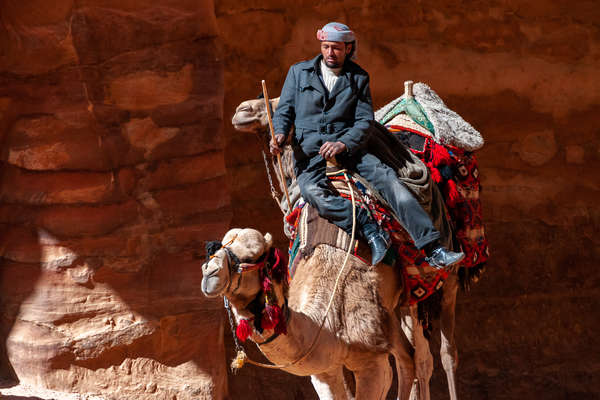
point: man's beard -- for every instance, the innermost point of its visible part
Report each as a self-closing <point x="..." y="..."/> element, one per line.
<point x="336" y="65"/>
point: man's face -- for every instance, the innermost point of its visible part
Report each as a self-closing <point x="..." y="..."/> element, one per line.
<point x="334" y="53"/>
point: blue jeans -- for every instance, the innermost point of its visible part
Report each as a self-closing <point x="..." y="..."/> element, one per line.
<point x="318" y="192"/>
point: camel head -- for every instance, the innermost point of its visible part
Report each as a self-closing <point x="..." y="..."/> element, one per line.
<point x="251" y="115"/>
<point x="228" y="272"/>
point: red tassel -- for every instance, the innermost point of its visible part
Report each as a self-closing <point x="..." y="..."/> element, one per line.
<point x="271" y="317"/>
<point x="243" y="330"/>
<point x="453" y="196"/>
<point x="440" y="155"/>
<point x="278" y="256"/>
<point x="266" y="285"/>
<point x="291" y="218"/>
<point x="435" y="173"/>
<point x="279" y="269"/>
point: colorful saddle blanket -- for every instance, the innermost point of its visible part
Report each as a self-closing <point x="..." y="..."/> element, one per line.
<point x="310" y="230"/>
<point x="445" y="143"/>
<point x="457" y="175"/>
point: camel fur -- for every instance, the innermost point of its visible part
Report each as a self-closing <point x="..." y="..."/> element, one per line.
<point x="361" y="329"/>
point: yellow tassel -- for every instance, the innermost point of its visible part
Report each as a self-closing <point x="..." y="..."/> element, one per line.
<point x="238" y="361"/>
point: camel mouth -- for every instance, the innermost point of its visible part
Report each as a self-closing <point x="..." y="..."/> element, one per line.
<point x="252" y="127"/>
<point x="212" y="286"/>
<point x="248" y="123"/>
<point x="213" y="283"/>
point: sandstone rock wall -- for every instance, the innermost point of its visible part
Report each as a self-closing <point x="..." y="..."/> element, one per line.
<point x="114" y="170"/>
<point x="112" y="176"/>
<point x="523" y="73"/>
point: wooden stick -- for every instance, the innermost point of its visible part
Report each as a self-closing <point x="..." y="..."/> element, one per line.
<point x="283" y="183"/>
<point x="408" y="89"/>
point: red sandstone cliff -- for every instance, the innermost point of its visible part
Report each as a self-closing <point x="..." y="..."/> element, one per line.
<point x="112" y="177"/>
<point x="119" y="160"/>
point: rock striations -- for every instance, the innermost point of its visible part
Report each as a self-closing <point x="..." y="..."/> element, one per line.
<point x="112" y="177"/>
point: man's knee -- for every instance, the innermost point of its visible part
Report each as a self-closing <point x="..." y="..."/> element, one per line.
<point x="311" y="192"/>
<point x="377" y="173"/>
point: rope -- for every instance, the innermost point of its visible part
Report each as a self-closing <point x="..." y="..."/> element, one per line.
<point x="274" y="193"/>
<point x="223" y="246"/>
<point x="241" y="357"/>
<point x="238" y="346"/>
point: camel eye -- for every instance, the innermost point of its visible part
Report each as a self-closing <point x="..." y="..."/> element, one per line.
<point x="244" y="108"/>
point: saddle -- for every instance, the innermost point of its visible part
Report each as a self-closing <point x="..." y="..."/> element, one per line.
<point x="310" y="230"/>
<point x="421" y="138"/>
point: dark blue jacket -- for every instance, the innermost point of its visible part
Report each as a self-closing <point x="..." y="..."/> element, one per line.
<point x="344" y="115"/>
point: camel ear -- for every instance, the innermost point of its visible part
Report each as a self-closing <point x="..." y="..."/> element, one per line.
<point x="268" y="241"/>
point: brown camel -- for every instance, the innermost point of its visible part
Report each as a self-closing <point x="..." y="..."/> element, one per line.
<point x="360" y="330"/>
<point x="251" y="117"/>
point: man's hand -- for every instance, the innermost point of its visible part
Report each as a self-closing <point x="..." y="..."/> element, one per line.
<point x="274" y="145"/>
<point x="331" y="149"/>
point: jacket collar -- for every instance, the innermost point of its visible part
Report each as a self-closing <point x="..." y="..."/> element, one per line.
<point x="313" y="67"/>
<point x="342" y="83"/>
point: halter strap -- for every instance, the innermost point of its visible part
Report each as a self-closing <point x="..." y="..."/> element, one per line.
<point x="224" y="246"/>
<point x="247" y="267"/>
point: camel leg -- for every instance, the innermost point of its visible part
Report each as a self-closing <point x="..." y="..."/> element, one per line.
<point x="422" y="356"/>
<point x="374" y="378"/>
<point x="448" y="350"/>
<point x="402" y="351"/>
<point x="331" y="385"/>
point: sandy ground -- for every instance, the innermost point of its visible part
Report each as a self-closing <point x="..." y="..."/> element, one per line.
<point x="24" y="392"/>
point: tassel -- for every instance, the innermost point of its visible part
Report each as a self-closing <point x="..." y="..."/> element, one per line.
<point x="453" y="196"/>
<point x="239" y="361"/>
<point x="266" y="285"/>
<point x="243" y="330"/>
<point x="279" y="268"/>
<point x="291" y="218"/>
<point x="211" y="248"/>
<point x="277" y="254"/>
<point x="271" y="316"/>
<point x="435" y="173"/>
<point x="440" y="155"/>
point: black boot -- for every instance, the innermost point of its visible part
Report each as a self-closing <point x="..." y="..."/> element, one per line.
<point x="378" y="241"/>
<point x="439" y="257"/>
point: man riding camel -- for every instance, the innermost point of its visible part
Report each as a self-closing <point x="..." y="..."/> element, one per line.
<point x="328" y="102"/>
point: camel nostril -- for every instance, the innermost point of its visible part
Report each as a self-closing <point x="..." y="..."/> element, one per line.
<point x="210" y="274"/>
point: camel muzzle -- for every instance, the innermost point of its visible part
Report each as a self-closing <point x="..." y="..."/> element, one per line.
<point x="212" y="283"/>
